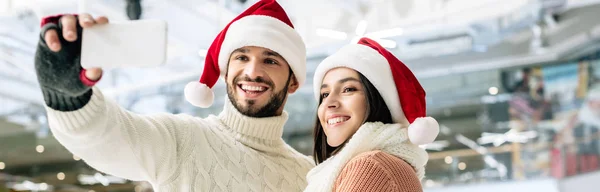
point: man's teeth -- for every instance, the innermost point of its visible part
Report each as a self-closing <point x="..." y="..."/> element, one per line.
<point x="252" y="88"/>
<point x="337" y="120"/>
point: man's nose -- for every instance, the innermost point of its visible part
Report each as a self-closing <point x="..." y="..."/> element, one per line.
<point x="253" y="69"/>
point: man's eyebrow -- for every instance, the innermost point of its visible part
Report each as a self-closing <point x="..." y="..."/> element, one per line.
<point x="241" y="50"/>
<point x="272" y="53"/>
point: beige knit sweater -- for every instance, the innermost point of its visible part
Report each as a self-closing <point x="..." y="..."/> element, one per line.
<point x="181" y="153"/>
<point x="377" y="171"/>
<point x="378" y="156"/>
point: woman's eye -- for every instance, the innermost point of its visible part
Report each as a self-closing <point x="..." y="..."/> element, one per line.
<point x="349" y="89"/>
<point x="323" y="95"/>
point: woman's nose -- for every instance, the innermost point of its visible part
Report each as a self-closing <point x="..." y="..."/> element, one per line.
<point x="332" y="102"/>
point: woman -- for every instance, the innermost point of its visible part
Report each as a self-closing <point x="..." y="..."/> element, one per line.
<point x="370" y="123"/>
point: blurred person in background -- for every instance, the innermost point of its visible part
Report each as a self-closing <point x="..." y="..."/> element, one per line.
<point x="262" y="59"/>
<point x="370" y="121"/>
<point x="586" y="132"/>
<point x="578" y="141"/>
<point x="528" y="102"/>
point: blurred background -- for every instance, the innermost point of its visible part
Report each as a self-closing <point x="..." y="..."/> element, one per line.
<point x="514" y="84"/>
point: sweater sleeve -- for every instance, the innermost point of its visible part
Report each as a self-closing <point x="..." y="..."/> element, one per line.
<point x="121" y="143"/>
<point x="377" y="171"/>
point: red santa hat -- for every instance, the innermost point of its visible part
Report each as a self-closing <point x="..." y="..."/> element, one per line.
<point x="399" y="88"/>
<point x="264" y="24"/>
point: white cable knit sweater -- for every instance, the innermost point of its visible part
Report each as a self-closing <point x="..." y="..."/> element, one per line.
<point x="228" y="152"/>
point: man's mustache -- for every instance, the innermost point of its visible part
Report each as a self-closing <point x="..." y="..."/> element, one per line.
<point x="255" y="80"/>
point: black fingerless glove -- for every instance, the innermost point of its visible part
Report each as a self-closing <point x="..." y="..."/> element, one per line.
<point x="59" y="73"/>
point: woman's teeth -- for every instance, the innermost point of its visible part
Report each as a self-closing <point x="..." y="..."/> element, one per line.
<point x="337" y="120"/>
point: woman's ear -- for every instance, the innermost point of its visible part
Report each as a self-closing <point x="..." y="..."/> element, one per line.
<point x="293" y="86"/>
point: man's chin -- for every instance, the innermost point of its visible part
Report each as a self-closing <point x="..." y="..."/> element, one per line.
<point x="249" y="105"/>
<point x="266" y="105"/>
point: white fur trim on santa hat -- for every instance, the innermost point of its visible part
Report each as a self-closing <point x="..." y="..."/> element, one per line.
<point x="373" y="66"/>
<point x="423" y="130"/>
<point x="267" y="32"/>
<point x="199" y="94"/>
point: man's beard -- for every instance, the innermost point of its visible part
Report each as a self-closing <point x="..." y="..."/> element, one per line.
<point x="251" y="110"/>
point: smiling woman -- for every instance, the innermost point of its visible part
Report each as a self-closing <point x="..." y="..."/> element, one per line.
<point x="368" y="129"/>
<point x="347" y="101"/>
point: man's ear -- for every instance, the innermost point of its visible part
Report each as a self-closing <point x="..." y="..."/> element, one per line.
<point x="226" y="73"/>
<point x="294" y="85"/>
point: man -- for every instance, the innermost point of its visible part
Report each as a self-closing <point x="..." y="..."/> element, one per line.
<point x="262" y="59"/>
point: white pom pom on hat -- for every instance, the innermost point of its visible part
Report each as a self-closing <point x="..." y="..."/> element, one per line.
<point x="199" y="94"/>
<point x="423" y="130"/>
<point x="399" y="88"/>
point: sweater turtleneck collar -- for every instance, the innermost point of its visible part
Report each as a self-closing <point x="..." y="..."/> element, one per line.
<point x="266" y="128"/>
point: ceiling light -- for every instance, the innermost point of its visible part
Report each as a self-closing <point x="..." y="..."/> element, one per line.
<point x="361" y="28"/>
<point x="43" y="186"/>
<point x="138" y="188"/>
<point x="202" y="52"/>
<point x="386" y="33"/>
<point x="355" y="40"/>
<point x="99" y="179"/>
<point x="493" y="90"/>
<point x="462" y="166"/>
<point x="448" y="160"/>
<point x="386" y="43"/>
<point x="436" y="145"/>
<point x="39" y="148"/>
<point x="429" y="183"/>
<point x="60" y="176"/>
<point x="332" y="34"/>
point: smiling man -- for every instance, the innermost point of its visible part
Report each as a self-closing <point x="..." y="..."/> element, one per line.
<point x="262" y="59"/>
<point x="255" y="94"/>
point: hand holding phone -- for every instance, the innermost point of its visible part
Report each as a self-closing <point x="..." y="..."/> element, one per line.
<point x="57" y="58"/>
<point x="140" y="43"/>
<point x="61" y="44"/>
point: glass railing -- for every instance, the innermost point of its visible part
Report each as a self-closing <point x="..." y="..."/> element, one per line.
<point x="515" y="162"/>
<point x="548" y="127"/>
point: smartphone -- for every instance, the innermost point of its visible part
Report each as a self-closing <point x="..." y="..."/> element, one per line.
<point x="126" y="44"/>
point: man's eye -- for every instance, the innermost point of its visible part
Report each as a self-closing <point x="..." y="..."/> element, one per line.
<point x="270" y="61"/>
<point x="241" y="58"/>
